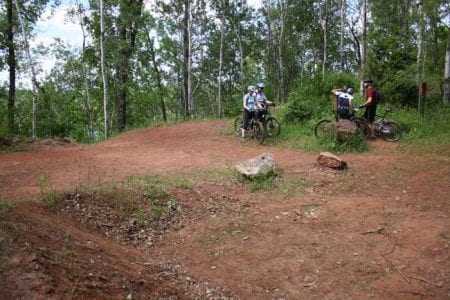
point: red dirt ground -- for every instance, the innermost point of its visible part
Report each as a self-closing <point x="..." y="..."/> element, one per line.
<point x="378" y="230"/>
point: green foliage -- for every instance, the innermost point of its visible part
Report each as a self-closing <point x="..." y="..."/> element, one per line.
<point x="311" y="97"/>
<point x="433" y="128"/>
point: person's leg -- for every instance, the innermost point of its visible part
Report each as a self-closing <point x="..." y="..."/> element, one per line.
<point x="245" y="123"/>
<point x="371" y="110"/>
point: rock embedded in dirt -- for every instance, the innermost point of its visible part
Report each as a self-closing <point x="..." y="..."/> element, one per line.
<point x="329" y="160"/>
<point x="260" y="165"/>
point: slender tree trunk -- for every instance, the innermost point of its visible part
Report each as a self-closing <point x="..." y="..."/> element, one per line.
<point x="12" y="67"/>
<point x="186" y="59"/>
<point x="341" y="46"/>
<point x="189" y="64"/>
<point x="122" y="75"/>
<point x="324" y="24"/>
<point x="420" y="56"/>
<point x="158" y="77"/>
<point x="219" y="92"/>
<point x="280" y="52"/>
<point x="446" y="87"/>
<point x="103" y="67"/>
<point x="33" y="72"/>
<point x="90" y="117"/>
<point x="363" y="43"/>
<point x="241" y="56"/>
<point x="128" y="22"/>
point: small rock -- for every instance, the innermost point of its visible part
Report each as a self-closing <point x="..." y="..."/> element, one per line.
<point x="329" y="160"/>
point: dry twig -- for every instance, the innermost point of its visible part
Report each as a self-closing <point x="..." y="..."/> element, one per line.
<point x="397" y="269"/>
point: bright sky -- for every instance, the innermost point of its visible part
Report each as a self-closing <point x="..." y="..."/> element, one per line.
<point x="58" y="25"/>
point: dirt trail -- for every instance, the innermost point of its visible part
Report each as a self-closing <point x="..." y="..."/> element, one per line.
<point x="378" y="230"/>
<point x="172" y="149"/>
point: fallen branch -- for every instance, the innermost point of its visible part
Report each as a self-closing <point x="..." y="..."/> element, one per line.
<point x="439" y="285"/>
<point x="397" y="269"/>
<point x="413" y="293"/>
<point x="378" y="230"/>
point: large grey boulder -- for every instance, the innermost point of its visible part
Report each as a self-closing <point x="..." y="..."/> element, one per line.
<point x="329" y="160"/>
<point x="258" y="166"/>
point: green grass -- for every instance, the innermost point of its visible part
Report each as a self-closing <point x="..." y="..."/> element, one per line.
<point x="48" y="195"/>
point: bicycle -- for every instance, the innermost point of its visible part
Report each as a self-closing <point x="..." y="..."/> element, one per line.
<point x="255" y="128"/>
<point x="271" y="125"/>
<point x="361" y="124"/>
<point x="389" y="130"/>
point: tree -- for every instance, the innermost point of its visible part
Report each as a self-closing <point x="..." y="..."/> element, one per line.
<point x="103" y="68"/>
<point x="11" y="64"/>
<point x="33" y="72"/>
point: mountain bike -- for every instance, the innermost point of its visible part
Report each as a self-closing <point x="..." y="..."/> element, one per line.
<point x="255" y="128"/>
<point x="389" y="130"/>
<point x="271" y="125"/>
<point x="361" y="124"/>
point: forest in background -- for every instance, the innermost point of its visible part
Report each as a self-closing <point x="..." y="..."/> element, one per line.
<point x="187" y="59"/>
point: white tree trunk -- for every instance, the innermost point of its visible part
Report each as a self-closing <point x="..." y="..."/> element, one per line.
<point x="86" y="82"/>
<point x="219" y="92"/>
<point x="420" y="56"/>
<point x="33" y="72"/>
<point x="283" y="10"/>
<point x="324" y="24"/>
<point x="446" y="96"/>
<point x="363" y="43"/>
<point x="103" y="67"/>
<point x="341" y="46"/>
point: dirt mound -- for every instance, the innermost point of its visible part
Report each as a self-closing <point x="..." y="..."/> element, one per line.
<point x="27" y="144"/>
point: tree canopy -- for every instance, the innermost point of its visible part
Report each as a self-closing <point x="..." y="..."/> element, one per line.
<point x="178" y="59"/>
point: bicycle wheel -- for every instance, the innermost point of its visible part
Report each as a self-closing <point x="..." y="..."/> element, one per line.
<point x="362" y="126"/>
<point x="238" y="122"/>
<point x="391" y="131"/>
<point x="258" y="132"/>
<point x="319" y="129"/>
<point x="272" y="127"/>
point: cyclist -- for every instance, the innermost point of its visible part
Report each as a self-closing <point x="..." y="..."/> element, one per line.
<point x="249" y="103"/>
<point x="344" y="103"/>
<point x="261" y="99"/>
<point x="370" y="105"/>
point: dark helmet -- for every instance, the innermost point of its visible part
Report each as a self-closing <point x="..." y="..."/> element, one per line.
<point x="350" y="91"/>
<point x="368" y="80"/>
<point x="260" y="85"/>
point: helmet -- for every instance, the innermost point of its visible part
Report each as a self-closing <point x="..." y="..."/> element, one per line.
<point x="260" y="85"/>
<point x="251" y="88"/>
<point x="368" y="80"/>
<point x="350" y="91"/>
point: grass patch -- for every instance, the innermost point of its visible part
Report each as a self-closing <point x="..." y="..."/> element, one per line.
<point x="273" y="182"/>
<point x="140" y="198"/>
<point x="47" y="194"/>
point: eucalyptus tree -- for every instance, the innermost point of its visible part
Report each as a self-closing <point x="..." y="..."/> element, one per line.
<point x="103" y="69"/>
<point x="32" y="9"/>
<point x="407" y="46"/>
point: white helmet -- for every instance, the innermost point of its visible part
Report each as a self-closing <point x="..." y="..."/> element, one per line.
<point x="251" y="88"/>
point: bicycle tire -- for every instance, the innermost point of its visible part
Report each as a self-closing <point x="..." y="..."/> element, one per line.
<point x="258" y="132"/>
<point x="319" y="129"/>
<point x="273" y="127"/>
<point x="391" y="131"/>
<point x="238" y="122"/>
<point x="363" y="126"/>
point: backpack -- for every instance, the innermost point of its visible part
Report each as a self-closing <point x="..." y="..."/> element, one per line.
<point x="378" y="97"/>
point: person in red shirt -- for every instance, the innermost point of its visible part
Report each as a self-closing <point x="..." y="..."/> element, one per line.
<point x="370" y="105"/>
